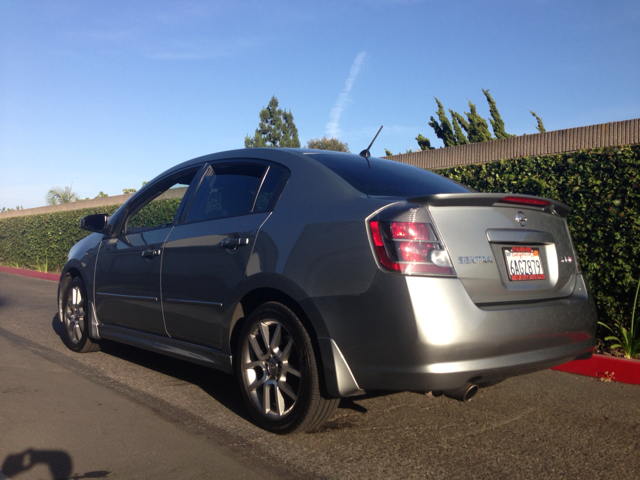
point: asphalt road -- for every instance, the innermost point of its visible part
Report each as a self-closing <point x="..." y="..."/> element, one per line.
<point x="127" y="413"/>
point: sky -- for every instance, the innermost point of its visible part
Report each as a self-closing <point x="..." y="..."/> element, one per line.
<point x="103" y="95"/>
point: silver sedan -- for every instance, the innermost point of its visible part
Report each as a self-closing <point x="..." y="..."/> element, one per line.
<point x="315" y="275"/>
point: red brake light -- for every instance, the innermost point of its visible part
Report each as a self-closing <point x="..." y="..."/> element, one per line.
<point x="410" y="230"/>
<point x="536" y="202"/>
<point x="401" y="247"/>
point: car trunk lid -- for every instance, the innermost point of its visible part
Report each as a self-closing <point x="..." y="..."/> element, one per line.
<point x="505" y="248"/>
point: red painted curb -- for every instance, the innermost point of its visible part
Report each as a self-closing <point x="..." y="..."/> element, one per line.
<point x="621" y="370"/>
<point x="31" y="273"/>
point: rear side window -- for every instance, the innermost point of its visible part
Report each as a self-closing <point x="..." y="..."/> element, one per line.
<point x="386" y="177"/>
<point x="270" y="190"/>
<point x="226" y="191"/>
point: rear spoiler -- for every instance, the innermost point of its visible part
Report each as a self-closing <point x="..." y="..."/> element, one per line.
<point x="529" y="202"/>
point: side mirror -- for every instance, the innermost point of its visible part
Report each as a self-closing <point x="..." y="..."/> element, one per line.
<point x="95" y="223"/>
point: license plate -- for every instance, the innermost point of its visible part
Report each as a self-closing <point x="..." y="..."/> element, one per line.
<point x="523" y="263"/>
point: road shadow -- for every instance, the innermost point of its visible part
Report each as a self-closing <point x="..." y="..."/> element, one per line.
<point x="220" y="386"/>
<point x="58" y="461"/>
<point x="56" y="324"/>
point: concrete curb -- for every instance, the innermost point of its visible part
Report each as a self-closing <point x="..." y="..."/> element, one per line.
<point x="55" y="277"/>
<point x="616" y="369"/>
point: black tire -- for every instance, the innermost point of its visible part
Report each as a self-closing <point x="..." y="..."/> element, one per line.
<point x="74" y="314"/>
<point x="277" y="372"/>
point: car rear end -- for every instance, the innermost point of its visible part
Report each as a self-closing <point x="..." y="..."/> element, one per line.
<point x="495" y="288"/>
<point x="470" y="289"/>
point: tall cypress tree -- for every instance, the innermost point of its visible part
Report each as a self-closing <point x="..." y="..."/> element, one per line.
<point x="496" y="121"/>
<point x="461" y="120"/>
<point x="444" y="130"/>
<point x="461" y="139"/>
<point x="276" y="128"/>
<point x="540" y="126"/>
<point x="425" y="143"/>
<point x="478" y="127"/>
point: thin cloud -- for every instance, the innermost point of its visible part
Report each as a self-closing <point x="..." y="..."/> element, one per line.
<point x="199" y="48"/>
<point x="333" y="127"/>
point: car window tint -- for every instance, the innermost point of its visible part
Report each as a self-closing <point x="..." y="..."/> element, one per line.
<point x="226" y="191"/>
<point x="164" y="202"/>
<point x="271" y="187"/>
<point x="386" y="177"/>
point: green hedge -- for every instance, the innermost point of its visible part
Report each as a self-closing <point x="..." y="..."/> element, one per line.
<point x="43" y="241"/>
<point x="39" y="241"/>
<point x="602" y="187"/>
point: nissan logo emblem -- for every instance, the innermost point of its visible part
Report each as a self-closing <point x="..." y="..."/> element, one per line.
<point x="521" y="219"/>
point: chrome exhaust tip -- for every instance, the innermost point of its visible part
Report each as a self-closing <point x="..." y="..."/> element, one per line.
<point x="464" y="393"/>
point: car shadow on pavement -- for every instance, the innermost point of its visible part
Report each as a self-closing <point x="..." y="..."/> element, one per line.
<point x="220" y="386"/>
<point x="56" y="324"/>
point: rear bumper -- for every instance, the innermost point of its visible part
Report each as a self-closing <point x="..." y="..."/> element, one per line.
<point x="444" y="340"/>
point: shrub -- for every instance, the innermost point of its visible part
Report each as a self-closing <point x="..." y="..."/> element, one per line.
<point x="46" y="239"/>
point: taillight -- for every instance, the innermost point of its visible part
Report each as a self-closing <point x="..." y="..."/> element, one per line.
<point x="410" y="247"/>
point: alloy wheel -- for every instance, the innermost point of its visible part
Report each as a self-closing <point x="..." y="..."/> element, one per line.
<point x="270" y="365"/>
<point x="74" y="314"/>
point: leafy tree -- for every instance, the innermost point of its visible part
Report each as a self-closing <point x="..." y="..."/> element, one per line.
<point x="444" y="130"/>
<point x="276" y="129"/>
<point x="18" y="207"/>
<point x="425" y="143"/>
<point x="461" y="139"/>
<point x="101" y="195"/>
<point x="129" y="190"/>
<point x="388" y="152"/>
<point x="478" y="127"/>
<point x="496" y="121"/>
<point x="58" y="195"/>
<point x="325" y="143"/>
<point x="540" y="126"/>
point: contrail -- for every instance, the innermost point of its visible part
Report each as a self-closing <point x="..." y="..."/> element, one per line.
<point x="333" y="127"/>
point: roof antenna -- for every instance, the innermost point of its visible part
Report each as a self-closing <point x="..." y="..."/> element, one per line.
<point x="366" y="153"/>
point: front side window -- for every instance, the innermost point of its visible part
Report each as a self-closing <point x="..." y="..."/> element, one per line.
<point x="162" y="203"/>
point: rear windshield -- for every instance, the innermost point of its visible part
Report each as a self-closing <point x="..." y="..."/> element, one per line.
<point x="387" y="178"/>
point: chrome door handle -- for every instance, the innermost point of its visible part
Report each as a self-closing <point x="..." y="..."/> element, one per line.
<point x="151" y="252"/>
<point x="231" y="243"/>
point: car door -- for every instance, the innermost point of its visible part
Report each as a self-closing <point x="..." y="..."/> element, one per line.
<point x="206" y="257"/>
<point x="127" y="283"/>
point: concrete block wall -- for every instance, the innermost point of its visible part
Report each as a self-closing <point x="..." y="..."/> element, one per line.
<point x="549" y="143"/>
<point x="94" y="203"/>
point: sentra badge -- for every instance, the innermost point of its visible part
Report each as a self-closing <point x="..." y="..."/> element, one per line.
<point x="477" y="259"/>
